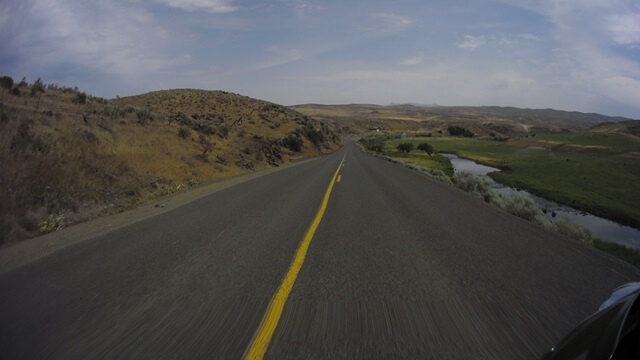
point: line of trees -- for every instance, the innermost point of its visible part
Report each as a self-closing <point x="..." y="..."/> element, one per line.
<point x="460" y="131"/>
<point x="424" y="147"/>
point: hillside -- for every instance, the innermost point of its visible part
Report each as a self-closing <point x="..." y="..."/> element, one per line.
<point x="483" y="120"/>
<point x="630" y="127"/>
<point x="68" y="157"/>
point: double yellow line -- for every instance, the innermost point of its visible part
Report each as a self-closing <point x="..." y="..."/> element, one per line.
<point x="262" y="337"/>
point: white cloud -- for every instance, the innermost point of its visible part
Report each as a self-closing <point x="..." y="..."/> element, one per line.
<point x="625" y="28"/>
<point x="107" y="37"/>
<point x="472" y="42"/>
<point x="411" y="61"/>
<point x="587" y="66"/>
<point x="392" y="22"/>
<point x="212" y="6"/>
<point x="304" y="8"/>
<point x="530" y="37"/>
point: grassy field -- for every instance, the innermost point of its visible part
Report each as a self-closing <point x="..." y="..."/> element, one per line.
<point x="436" y="161"/>
<point x="594" y="172"/>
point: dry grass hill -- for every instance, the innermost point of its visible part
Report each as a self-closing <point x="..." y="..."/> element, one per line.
<point x="502" y="122"/>
<point x="67" y="157"/>
<point x="630" y="127"/>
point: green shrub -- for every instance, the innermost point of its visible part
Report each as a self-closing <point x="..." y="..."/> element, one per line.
<point x="205" y="145"/>
<point x="424" y="147"/>
<point x="276" y="140"/>
<point x="292" y="142"/>
<point x="405" y="147"/>
<point x="524" y="207"/>
<point x="52" y="224"/>
<point x="434" y="173"/>
<point x="476" y="186"/>
<point x="170" y="189"/>
<point x="223" y="131"/>
<point x="373" y="144"/>
<point x="184" y="131"/>
<point x="143" y="115"/>
<point x="81" y="98"/>
<point x="565" y="226"/>
<point x="315" y="135"/>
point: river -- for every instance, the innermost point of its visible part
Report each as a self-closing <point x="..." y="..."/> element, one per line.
<point x="600" y="228"/>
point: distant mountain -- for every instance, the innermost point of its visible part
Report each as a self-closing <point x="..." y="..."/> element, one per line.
<point x="518" y="112"/>
<point x="416" y="104"/>
<point x="593" y="118"/>
<point x="483" y="120"/>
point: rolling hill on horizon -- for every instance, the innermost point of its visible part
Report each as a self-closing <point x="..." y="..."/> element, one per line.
<point x="482" y="120"/>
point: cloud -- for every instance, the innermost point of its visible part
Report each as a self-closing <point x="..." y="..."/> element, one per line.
<point x="89" y="38"/>
<point x="392" y="22"/>
<point x="530" y="37"/>
<point x="472" y="42"/>
<point x="304" y="8"/>
<point x="279" y="55"/>
<point x="411" y="61"/>
<point x="212" y="6"/>
<point x="587" y="66"/>
<point x="625" y="28"/>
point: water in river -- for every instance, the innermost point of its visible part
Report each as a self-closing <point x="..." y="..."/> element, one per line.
<point x="601" y="228"/>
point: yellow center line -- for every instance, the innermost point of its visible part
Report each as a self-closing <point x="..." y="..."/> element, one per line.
<point x="262" y="337"/>
<point x="339" y="178"/>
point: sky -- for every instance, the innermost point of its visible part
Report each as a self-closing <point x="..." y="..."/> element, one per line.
<point x="578" y="55"/>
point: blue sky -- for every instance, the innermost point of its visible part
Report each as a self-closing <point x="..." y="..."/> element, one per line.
<point x="579" y="55"/>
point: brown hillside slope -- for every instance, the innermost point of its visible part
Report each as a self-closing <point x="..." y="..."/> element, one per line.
<point x="482" y="120"/>
<point x="630" y="127"/>
<point x="64" y="153"/>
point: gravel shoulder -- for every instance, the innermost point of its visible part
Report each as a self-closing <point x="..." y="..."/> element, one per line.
<point x="21" y="253"/>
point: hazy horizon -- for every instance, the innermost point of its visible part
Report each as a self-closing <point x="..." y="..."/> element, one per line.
<point x="575" y="55"/>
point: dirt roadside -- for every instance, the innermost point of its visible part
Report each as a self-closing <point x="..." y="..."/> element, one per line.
<point x="23" y="252"/>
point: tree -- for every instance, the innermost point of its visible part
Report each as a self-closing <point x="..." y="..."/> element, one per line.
<point x="81" y="98"/>
<point x="459" y="131"/>
<point x="405" y="147"/>
<point x="424" y="147"/>
<point x="6" y="82"/>
<point x="38" y="86"/>
<point x="373" y="144"/>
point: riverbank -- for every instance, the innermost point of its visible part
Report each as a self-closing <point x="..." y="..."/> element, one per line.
<point x="595" y="173"/>
<point x="521" y="206"/>
<point x="600" y="228"/>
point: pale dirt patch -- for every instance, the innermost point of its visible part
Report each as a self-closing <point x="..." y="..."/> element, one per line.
<point x="530" y="144"/>
<point x="582" y="148"/>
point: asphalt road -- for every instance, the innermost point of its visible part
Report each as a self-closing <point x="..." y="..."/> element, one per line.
<point x="400" y="266"/>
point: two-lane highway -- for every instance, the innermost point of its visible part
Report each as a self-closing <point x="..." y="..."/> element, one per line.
<point x="398" y="266"/>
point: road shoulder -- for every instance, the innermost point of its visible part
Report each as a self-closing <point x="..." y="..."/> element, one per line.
<point x="23" y="252"/>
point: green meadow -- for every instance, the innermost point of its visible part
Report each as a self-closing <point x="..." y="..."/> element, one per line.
<point x="594" y="172"/>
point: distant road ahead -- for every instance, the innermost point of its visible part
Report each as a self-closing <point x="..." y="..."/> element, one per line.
<point x="400" y="266"/>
